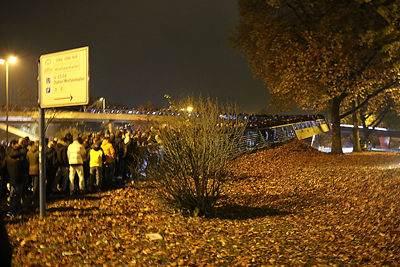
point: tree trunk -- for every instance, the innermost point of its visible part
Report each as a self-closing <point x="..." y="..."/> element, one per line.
<point x="356" y="131"/>
<point x="335" y="118"/>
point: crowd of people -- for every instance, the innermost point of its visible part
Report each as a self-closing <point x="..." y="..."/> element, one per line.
<point x="92" y="162"/>
<point x="75" y="165"/>
<point x="265" y="121"/>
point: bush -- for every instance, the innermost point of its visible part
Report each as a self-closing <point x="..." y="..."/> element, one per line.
<point x="195" y="149"/>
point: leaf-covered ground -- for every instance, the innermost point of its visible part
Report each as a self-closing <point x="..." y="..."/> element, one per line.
<point x="289" y="205"/>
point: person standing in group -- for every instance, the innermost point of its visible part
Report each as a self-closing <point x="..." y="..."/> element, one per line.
<point x="33" y="159"/>
<point x="118" y="146"/>
<point x="96" y="159"/>
<point x="50" y="156"/>
<point x="23" y="148"/>
<point x="3" y="175"/>
<point x="62" y="167"/>
<point x="76" y="156"/>
<point x="5" y="246"/>
<point x="15" y="163"/>
<point x="109" y="165"/>
<point x="131" y="157"/>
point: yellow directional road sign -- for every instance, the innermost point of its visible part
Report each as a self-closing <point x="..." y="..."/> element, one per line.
<point x="64" y="78"/>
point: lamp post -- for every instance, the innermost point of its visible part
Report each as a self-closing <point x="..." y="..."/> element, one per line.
<point x="104" y="102"/>
<point x="3" y="61"/>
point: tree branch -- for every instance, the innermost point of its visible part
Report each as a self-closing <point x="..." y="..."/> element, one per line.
<point x="378" y="120"/>
<point x="365" y="101"/>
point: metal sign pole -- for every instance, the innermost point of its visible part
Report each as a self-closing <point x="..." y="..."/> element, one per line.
<point x="42" y="163"/>
<point x="42" y="160"/>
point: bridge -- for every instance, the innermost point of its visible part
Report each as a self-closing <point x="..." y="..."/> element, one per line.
<point x="57" y="116"/>
<point x="17" y="120"/>
<point x="277" y="126"/>
<point x="262" y="130"/>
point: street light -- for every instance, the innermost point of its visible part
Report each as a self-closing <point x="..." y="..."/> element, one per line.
<point x="104" y="102"/>
<point x="11" y="60"/>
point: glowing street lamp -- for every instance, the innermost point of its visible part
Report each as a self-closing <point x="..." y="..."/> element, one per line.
<point x="189" y="109"/>
<point x="104" y="102"/>
<point x="11" y="60"/>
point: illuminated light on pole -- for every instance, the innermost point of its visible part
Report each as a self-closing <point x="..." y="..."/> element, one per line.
<point x="11" y="60"/>
<point x="104" y="102"/>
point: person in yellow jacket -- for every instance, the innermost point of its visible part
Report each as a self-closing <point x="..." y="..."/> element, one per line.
<point x="96" y="159"/>
<point x="109" y="163"/>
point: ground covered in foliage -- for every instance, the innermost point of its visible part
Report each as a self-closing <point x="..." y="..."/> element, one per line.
<point x="289" y="205"/>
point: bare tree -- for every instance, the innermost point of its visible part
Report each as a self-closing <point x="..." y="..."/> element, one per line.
<point x="195" y="149"/>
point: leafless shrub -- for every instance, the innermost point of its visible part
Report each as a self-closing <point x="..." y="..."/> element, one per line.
<point x="195" y="148"/>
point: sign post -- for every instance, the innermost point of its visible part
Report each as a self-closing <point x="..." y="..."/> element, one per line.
<point x="42" y="164"/>
<point x="63" y="81"/>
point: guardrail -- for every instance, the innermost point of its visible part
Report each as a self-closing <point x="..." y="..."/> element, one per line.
<point x="254" y="139"/>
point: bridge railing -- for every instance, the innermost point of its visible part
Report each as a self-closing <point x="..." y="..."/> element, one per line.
<point x="254" y="139"/>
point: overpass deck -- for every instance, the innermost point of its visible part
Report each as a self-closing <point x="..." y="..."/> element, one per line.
<point x="30" y="116"/>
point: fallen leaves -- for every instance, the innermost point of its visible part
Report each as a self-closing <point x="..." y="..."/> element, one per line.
<point x="278" y="207"/>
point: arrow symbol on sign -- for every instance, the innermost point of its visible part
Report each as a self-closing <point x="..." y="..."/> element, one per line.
<point x="63" y="98"/>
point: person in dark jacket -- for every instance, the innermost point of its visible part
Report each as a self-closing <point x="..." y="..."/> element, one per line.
<point x="51" y="158"/>
<point x="3" y="175"/>
<point x="62" y="166"/>
<point x="119" y="151"/>
<point x="15" y="163"/>
<point x="5" y="246"/>
<point x="130" y="157"/>
<point x="23" y="144"/>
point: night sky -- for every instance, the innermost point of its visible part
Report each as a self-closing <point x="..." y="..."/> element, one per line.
<point x="138" y="50"/>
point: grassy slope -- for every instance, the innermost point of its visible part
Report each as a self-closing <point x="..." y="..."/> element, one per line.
<point x="287" y="205"/>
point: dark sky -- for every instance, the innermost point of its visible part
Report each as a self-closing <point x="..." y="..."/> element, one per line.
<point x="138" y="50"/>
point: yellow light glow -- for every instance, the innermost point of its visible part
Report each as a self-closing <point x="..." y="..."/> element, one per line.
<point x="2" y="61"/>
<point x="189" y="109"/>
<point x="12" y="59"/>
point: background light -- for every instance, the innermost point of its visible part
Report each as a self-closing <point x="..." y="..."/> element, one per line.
<point x="12" y="59"/>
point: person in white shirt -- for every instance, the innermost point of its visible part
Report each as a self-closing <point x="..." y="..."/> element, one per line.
<point x="76" y="155"/>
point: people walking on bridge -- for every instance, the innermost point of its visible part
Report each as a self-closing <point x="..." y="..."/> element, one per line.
<point x="76" y="155"/>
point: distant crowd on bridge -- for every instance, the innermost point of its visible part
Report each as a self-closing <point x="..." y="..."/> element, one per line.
<point x="254" y="120"/>
<point x="265" y="121"/>
<point x="84" y="164"/>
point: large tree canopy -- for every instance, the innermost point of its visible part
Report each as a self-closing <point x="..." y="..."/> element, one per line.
<point x="322" y="54"/>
